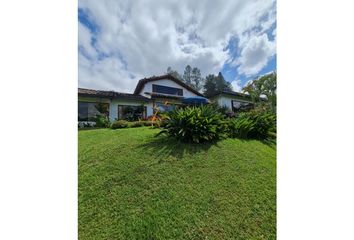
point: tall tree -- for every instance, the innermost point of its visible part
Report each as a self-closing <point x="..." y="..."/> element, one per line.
<point x="210" y="85"/>
<point x="187" y="75"/>
<point x="216" y="84"/>
<point x="191" y="76"/>
<point x="222" y="84"/>
<point x="196" y="78"/>
<point x="174" y="73"/>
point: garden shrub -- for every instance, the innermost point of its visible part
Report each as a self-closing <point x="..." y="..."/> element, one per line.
<point x="156" y="121"/>
<point x="147" y="123"/>
<point x="152" y="117"/>
<point x="240" y="127"/>
<point x="154" y="124"/>
<point x="223" y="110"/>
<point x="119" y="124"/>
<point x="82" y="124"/>
<point x="102" y="121"/>
<point x="137" y="124"/>
<point x="254" y="124"/>
<point x="194" y="124"/>
<point x="150" y="123"/>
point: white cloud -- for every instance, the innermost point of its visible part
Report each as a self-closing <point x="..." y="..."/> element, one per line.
<point x="85" y="42"/>
<point x="255" y="54"/>
<point x="105" y="74"/>
<point x="142" y="38"/>
<point x="236" y="85"/>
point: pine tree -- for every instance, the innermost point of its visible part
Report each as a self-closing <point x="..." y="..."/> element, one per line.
<point x="191" y="76"/>
<point x="173" y="73"/>
<point x="222" y="84"/>
<point x="216" y="84"/>
<point x="187" y="75"/>
<point x="210" y="85"/>
<point x="196" y="79"/>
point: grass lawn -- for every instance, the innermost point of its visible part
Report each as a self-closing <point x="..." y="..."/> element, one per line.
<point x="133" y="185"/>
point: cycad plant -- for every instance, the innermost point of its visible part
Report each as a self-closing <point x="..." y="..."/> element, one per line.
<point x="194" y="124"/>
<point x="253" y="124"/>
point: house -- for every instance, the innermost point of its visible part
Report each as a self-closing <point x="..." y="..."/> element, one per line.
<point x="232" y="100"/>
<point x="158" y="93"/>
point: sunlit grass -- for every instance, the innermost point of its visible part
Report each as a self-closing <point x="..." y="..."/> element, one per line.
<point x="135" y="186"/>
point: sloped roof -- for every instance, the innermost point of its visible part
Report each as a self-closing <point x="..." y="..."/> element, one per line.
<point x="237" y="94"/>
<point x="143" y="81"/>
<point x="84" y="92"/>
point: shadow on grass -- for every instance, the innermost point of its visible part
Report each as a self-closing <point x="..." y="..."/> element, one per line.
<point x="163" y="146"/>
<point x="270" y="143"/>
<point x="89" y="128"/>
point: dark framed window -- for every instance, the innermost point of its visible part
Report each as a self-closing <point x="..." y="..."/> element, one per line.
<point x="87" y="111"/>
<point x="167" y="90"/>
<point x="131" y="113"/>
<point x="165" y="107"/>
<point x="238" y="106"/>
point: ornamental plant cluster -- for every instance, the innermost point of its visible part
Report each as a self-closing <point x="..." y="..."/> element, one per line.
<point x="252" y="125"/>
<point x="126" y="124"/>
<point x="194" y="124"/>
<point x="103" y="122"/>
<point x="207" y="124"/>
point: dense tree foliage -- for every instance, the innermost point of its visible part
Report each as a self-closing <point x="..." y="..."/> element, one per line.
<point x="174" y="73"/>
<point x="187" y="75"/>
<point x="191" y="76"/>
<point x="216" y="84"/>
<point x="210" y="85"/>
<point x="197" y="80"/>
<point x="264" y="86"/>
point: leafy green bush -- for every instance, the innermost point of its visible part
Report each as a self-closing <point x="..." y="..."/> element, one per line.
<point x="194" y="124"/>
<point x="223" y="110"/>
<point x="102" y="121"/>
<point x="154" y="124"/>
<point x="240" y="127"/>
<point x="136" y="124"/>
<point x="119" y="124"/>
<point x="253" y="124"/>
<point x="82" y="124"/>
<point x="147" y="123"/>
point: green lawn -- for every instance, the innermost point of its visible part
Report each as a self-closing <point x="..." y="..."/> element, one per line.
<point x="133" y="185"/>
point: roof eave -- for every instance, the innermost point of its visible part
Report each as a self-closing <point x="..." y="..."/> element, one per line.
<point x="143" y="81"/>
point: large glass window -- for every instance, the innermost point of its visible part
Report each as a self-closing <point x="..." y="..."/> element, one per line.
<point x="87" y="111"/>
<point x="240" y="106"/>
<point x="165" y="107"/>
<point x="131" y="113"/>
<point x="167" y="90"/>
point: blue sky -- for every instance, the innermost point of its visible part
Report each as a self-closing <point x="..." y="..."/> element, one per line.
<point x="230" y="72"/>
<point x="117" y="47"/>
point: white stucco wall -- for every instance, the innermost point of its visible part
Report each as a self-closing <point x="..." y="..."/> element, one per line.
<point x="149" y="109"/>
<point x="226" y="101"/>
<point x="113" y="107"/>
<point x="165" y="82"/>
